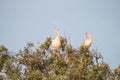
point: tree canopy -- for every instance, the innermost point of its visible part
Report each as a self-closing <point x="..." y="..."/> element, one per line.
<point x="43" y="63"/>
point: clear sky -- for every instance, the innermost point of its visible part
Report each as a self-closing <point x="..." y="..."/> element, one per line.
<point x="22" y="21"/>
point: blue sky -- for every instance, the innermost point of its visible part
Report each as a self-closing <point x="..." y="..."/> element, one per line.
<point x="22" y="21"/>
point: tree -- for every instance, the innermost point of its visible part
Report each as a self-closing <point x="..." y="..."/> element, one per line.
<point x="44" y="64"/>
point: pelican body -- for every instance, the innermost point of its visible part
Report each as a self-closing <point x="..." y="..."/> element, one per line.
<point x="87" y="43"/>
<point x="56" y="42"/>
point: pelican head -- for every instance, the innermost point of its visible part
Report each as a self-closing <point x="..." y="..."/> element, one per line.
<point x="89" y="36"/>
<point x="57" y="32"/>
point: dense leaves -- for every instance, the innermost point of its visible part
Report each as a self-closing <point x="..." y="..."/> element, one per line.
<point x="43" y="64"/>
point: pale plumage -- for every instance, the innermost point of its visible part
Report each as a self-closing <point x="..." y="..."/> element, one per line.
<point x="56" y="42"/>
<point x="87" y="43"/>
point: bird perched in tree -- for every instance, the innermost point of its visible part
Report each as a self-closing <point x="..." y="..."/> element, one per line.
<point x="87" y="43"/>
<point x="56" y="42"/>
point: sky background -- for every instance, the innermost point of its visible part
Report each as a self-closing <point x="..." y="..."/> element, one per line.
<point x="22" y="21"/>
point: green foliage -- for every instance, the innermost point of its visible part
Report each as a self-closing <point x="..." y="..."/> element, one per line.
<point x="3" y="55"/>
<point x="68" y="64"/>
<point x="117" y="72"/>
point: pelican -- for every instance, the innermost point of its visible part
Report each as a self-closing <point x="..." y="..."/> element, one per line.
<point x="56" y="42"/>
<point x="87" y="43"/>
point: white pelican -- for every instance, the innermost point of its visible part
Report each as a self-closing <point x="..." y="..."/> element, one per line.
<point x="56" y="42"/>
<point x="87" y="43"/>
